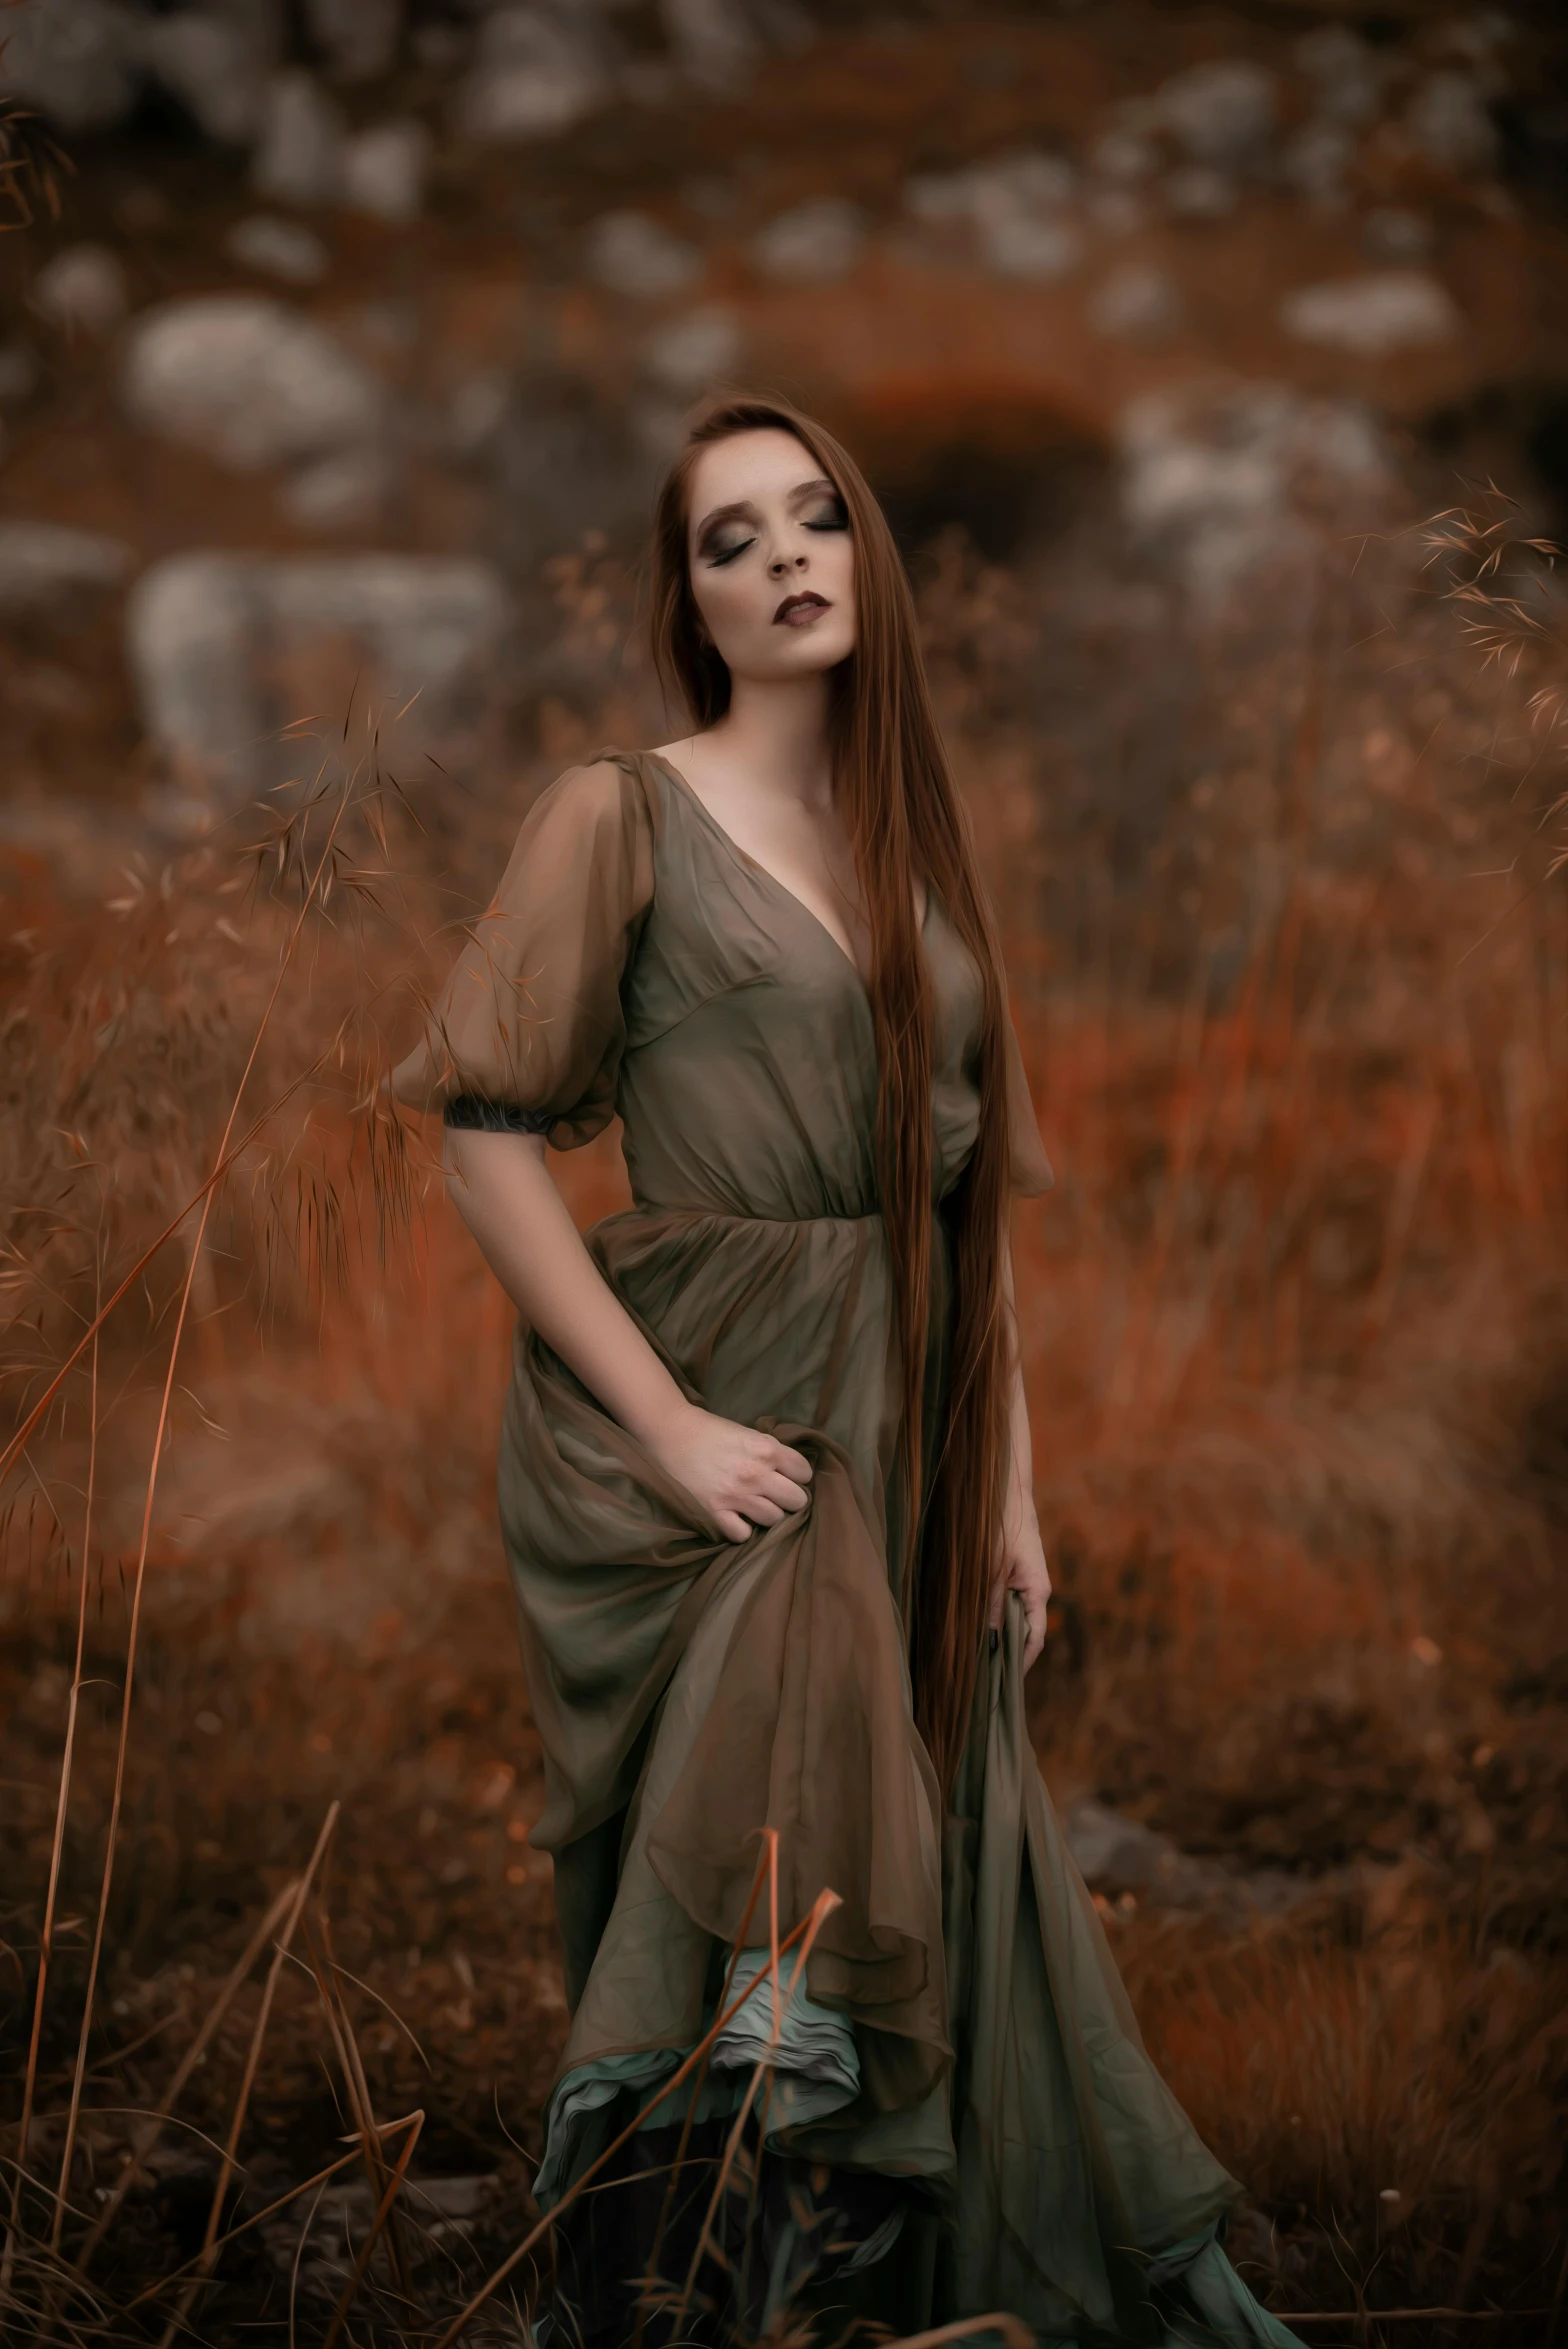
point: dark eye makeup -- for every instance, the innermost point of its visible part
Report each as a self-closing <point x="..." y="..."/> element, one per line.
<point x="717" y="551"/>
<point x="726" y="537"/>
<point x="832" y="514"/>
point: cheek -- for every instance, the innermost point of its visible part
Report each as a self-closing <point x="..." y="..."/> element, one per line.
<point x="731" y="601"/>
<point x="838" y="580"/>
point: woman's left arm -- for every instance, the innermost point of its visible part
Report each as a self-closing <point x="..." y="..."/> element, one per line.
<point x="1021" y="1563"/>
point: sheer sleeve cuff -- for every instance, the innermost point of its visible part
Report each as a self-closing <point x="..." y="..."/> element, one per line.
<point x="473" y="1115"/>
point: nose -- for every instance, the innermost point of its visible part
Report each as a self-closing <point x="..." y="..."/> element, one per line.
<point x="785" y="563"/>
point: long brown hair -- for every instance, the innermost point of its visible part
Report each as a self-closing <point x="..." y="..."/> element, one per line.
<point x="895" y="793"/>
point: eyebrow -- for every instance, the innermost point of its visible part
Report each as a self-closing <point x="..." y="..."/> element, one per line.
<point x="743" y="510"/>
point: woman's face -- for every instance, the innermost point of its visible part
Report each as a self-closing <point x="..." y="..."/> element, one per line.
<point x="771" y="559"/>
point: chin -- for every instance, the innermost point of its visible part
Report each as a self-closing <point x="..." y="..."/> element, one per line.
<point x="810" y="659"/>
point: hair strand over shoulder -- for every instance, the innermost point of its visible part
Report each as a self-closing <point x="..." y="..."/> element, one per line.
<point x="907" y="828"/>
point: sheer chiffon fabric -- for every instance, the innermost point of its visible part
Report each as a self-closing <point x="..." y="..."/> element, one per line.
<point x="688" y="1691"/>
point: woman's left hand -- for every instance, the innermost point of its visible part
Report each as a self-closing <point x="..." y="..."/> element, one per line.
<point x="1021" y="1567"/>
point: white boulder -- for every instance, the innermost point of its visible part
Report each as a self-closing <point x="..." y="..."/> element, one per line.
<point x="284" y="249"/>
<point x="228" y="650"/>
<point x="534" y="74"/>
<point x="1016" y="208"/>
<point x="1140" y="303"/>
<point x="338" y="494"/>
<point x="694" y="349"/>
<point x="384" y="171"/>
<point x="1317" y="162"/>
<point x="632" y="253"/>
<point x="1392" y="232"/>
<point x="714" y="43"/>
<point x="1220" y="486"/>
<point x="74" y="60"/>
<point x="1125" y="157"/>
<point x="1450" y="122"/>
<point x="1347" y="76"/>
<point x="248" y="381"/>
<point x="44" y="563"/>
<point x="1222" y="113"/>
<point x="812" y="243"/>
<point x="82" y="291"/>
<point x="212" y="64"/>
<point x="1373" y="316"/>
<point x="299" y="156"/>
<point x="1196" y="191"/>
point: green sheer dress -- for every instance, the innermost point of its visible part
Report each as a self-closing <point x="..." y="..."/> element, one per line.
<point x="960" y="2101"/>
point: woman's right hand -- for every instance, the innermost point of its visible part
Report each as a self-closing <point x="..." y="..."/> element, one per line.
<point x="740" y="1478"/>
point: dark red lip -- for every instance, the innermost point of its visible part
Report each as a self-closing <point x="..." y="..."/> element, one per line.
<point x="793" y="603"/>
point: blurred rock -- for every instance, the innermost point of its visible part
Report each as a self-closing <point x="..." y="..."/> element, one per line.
<point x="1451" y="125"/>
<point x="1390" y="233"/>
<point x="248" y="381"/>
<point x="1016" y="208"/>
<point x="1387" y="310"/>
<point x="1116" y="212"/>
<point x="632" y="253"/>
<point x="82" y="290"/>
<point x="384" y="170"/>
<point x="714" y="43"/>
<point x="1221" y="486"/>
<point x="812" y="243"/>
<point x="20" y="373"/>
<point x="299" y="158"/>
<point x="1124" y="156"/>
<point x="44" y="564"/>
<point x="1140" y="303"/>
<point x="534" y="73"/>
<point x="343" y="491"/>
<point x="1115" y="1854"/>
<point x="358" y="38"/>
<point x="1347" y="75"/>
<point x="1194" y="192"/>
<point x="74" y="60"/>
<point x="228" y="649"/>
<point x="278" y="248"/>
<point x="1024" y="182"/>
<point x="1222" y="113"/>
<point x="1039" y="249"/>
<point x="1317" y="164"/>
<point x="687" y="354"/>
<point x="213" y="65"/>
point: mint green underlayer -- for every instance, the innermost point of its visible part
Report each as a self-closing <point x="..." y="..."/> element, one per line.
<point x="813" y="2070"/>
<point x="1057" y="2093"/>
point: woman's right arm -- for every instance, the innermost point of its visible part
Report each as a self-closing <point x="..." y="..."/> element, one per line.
<point x="501" y="1186"/>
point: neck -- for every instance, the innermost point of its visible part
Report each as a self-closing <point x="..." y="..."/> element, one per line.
<point x="778" y="732"/>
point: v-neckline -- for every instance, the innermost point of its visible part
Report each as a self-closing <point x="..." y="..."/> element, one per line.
<point x="754" y="866"/>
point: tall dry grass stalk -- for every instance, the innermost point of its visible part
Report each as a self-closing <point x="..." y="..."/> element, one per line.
<point x="310" y="856"/>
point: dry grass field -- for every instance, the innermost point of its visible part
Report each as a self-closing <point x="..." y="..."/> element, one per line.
<point x="1299" y="1385"/>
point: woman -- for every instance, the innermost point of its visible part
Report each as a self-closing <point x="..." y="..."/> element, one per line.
<point x="765" y="1485"/>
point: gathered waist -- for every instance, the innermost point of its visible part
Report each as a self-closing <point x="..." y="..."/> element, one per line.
<point x="683" y="1212"/>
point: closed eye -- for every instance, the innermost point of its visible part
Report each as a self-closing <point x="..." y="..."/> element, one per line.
<point x="717" y="556"/>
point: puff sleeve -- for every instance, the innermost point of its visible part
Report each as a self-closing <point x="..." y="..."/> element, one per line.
<point x="1029" y="1170"/>
<point x="527" y="1033"/>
